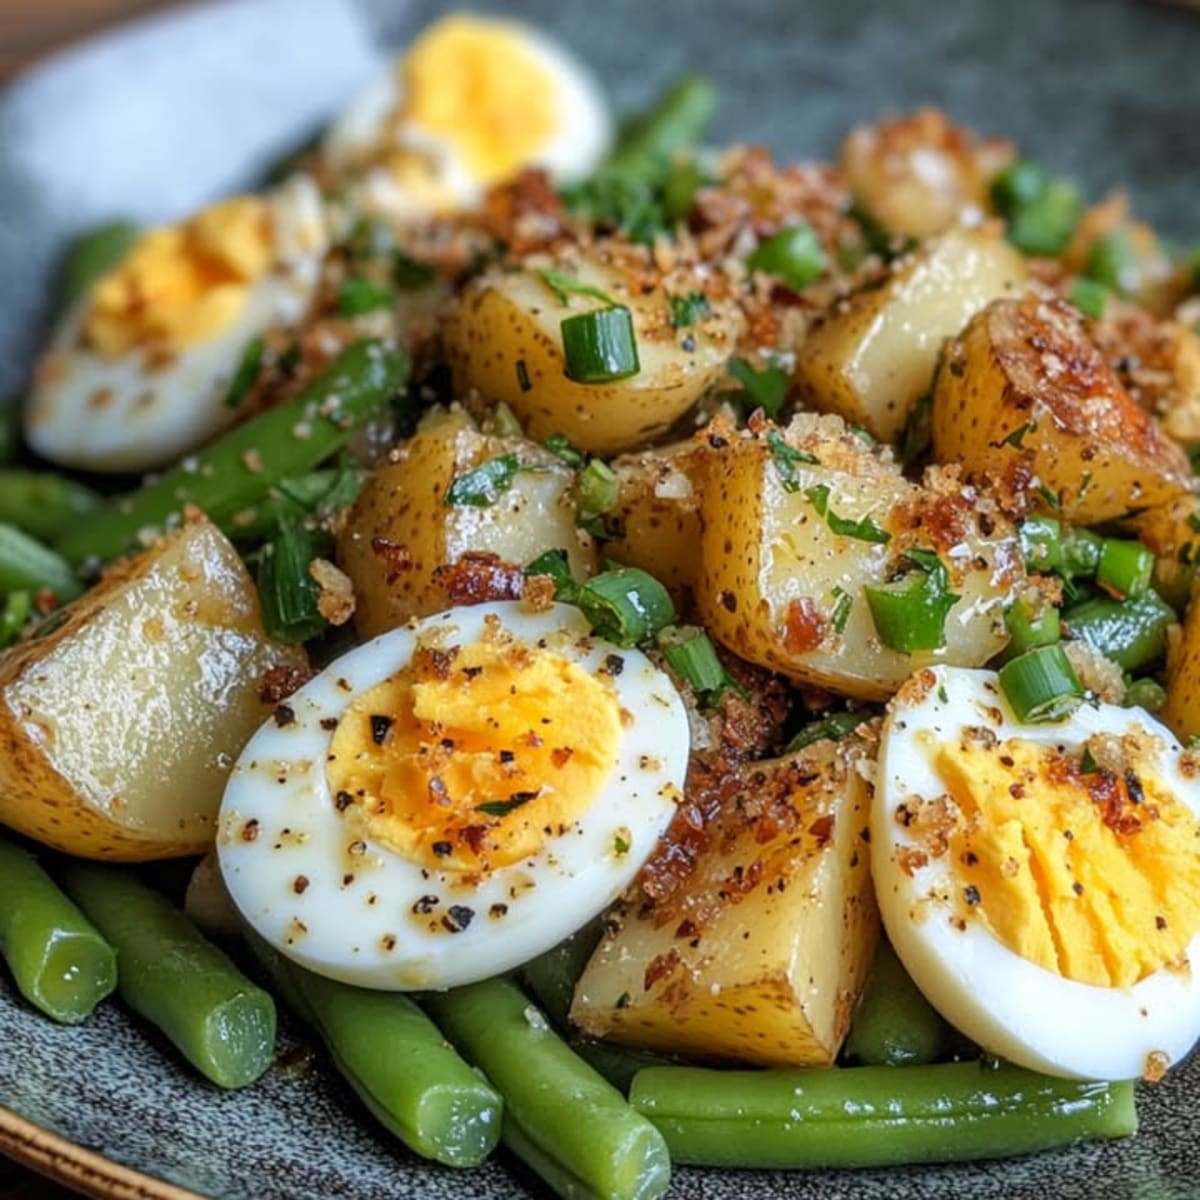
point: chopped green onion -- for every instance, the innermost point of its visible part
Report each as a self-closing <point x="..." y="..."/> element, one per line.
<point x="501" y="808"/>
<point x="1041" y="211"/>
<point x="1080" y="552"/>
<point x="618" y="199"/>
<point x="1113" y="261"/>
<point x="865" y="530"/>
<point x="1041" y="541"/>
<point x="1017" y="436"/>
<point x="786" y="458"/>
<point x="1145" y="693"/>
<point x="690" y="654"/>
<point x="685" y="178"/>
<point x="288" y="593"/>
<point x="834" y="727"/>
<point x="18" y="606"/>
<point x="910" y="614"/>
<point x="358" y="296"/>
<point x="600" y="347"/>
<point x="596" y="491"/>
<point x="503" y="422"/>
<point x="485" y="484"/>
<point x="1026" y="630"/>
<point x="767" y="388"/>
<point x="687" y="310"/>
<point x="246" y="375"/>
<point x="560" y="446"/>
<point x="408" y="274"/>
<point x="794" y="254"/>
<point x="1089" y="296"/>
<point x="565" y="286"/>
<point x="626" y="605"/>
<point x="1041" y="685"/>
<point x="1133" y="632"/>
<point x="1125" y="568"/>
<point x="1018" y="185"/>
<point x="844" y="604"/>
<point x="555" y="565"/>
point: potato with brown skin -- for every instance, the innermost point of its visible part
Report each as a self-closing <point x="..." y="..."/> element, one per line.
<point x="402" y="539"/>
<point x="1025" y="397"/>
<point x="119" y="726"/>
<point x="760" y="957"/>
<point x="503" y="338"/>
<point x="1181" y="712"/>
<point x="873" y="356"/>
<point x="655" y="522"/>
<point x="782" y="588"/>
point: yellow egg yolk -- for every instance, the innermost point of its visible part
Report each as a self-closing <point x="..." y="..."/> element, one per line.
<point x="476" y="755"/>
<point x="184" y="283"/>
<point x="1091" y="873"/>
<point x="477" y="85"/>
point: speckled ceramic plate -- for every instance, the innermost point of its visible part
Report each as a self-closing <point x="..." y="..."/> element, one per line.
<point x="1105" y="89"/>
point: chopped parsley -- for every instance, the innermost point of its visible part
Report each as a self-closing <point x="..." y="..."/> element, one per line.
<point x="865" y="530"/>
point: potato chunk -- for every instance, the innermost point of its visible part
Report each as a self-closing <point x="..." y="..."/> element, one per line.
<point x="780" y="584"/>
<point x="1025" y="397"/>
<point x="402" y="537"/>
<point x="119" y="727"/>
<point x="874" y="356"/>
<point x="760" y="955"/>
<point x="504" y="339"/>
<point x="1182" y="709"/>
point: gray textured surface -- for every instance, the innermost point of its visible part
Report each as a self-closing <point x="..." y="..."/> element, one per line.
<point x="1104" y="89"/>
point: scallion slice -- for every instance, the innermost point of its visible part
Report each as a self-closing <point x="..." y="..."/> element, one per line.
<point x="910" y="614"/>
<point x="1125" y="567"/>
<point x="597" y="490"/>
<point x="600" y="346"/>
<point x="690" y="654"/>
<point x="1113" y="261"/>
<point x="1080" y="552"/>
<point x="1145" y="693"/>
<point x="555" y="565"/>
<point x="1041" y="685"/>
<point x="560" y="446"/>
<point x="485" y="484"/>
<point x="865" y="530"/>
<point x="1089" y="296"/>
<point x="794" y="254"/>
<point x="288" y="593"/>
<point x="786" y="459"/>
<point x="1027" y="630"/>
<point x="358" y="296"/>
<point x="1133" y="632"/>
<point x="833" y="727"/>
<point x="626" y="605"/>
<point x="1041" y="544"/>
<point x="767" y="387"/>
<point x="18" y="608"/>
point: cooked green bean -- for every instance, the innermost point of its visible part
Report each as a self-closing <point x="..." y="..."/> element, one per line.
<point x="172" y="976"/>
<point x="1133" y="633"/>
<point x="93" y="254"/>
<point x="573" y="1128"/>
<point x="874" y="1116"/>
<point x="61" y="964"/>
<point x="242" y="468"/>
<point x="42" y="503"/>
<point x="676" y="121"/>
<point x="28" y="566"/>
<point x="894" y="1025"/>
<point x="397" y="1061"/>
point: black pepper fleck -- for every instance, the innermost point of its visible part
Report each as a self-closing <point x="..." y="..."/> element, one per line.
<point x="457" y="918"/>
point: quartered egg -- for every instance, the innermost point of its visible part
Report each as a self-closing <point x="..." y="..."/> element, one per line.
<point x="470" y="103"/>
<point x="139" y="371"/>
<point x="1041" y="882"/>
<point x="452" y="798"/>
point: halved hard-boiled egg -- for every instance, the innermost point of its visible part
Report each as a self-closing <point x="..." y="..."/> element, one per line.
<point x="469" y="104"/>
<point x="140" y="370"/>
<point x="456" y="796"/>
<point x="1041" y="883"/>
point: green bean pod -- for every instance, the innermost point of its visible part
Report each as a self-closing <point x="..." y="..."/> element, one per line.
<point x="60" y="962"/>
<point x="28" y="566"/>
<point x="676" y="121"/>
<point x="1133" y="633"/>
<point x="42" y="503"/>
<point x="397" y="1061"/>
<point x="172" y="976"/>
<point x="565" y="1121"/>
<point x="242" y="468"/>
<point x="894" y="1025"/>
<point x="874" y="1116"/>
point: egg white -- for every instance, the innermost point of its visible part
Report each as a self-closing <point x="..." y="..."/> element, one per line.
<point x="583" y="137"/>
<point x="335" y="928"/>
<point x="120" y="414"/>
<point x="1009" y="1005"/>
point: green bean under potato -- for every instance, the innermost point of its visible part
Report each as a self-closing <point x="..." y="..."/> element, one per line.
<point x="28" y="566"/>
<point x="397" y="1061"/>
<point x="241" y="469"/>
<point x="172" y="976"/>
<point x="59" y="961"/>
<point x="874" y="1116"/>
<point x="42" y="503"/>
<point x="565" y="1121"/>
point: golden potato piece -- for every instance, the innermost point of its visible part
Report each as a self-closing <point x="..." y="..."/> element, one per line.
<point x="1182" y="709"/>
<point x="402" y="535"/>
<point x="761" y="954"/>
<point x="1024" y="397"/>
<point x="874" y="356"/>
<point x="504" y="339"/>
<point x="119" y="727"/>
<point x="782" y="587"/>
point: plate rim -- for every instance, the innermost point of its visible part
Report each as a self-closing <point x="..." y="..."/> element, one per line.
<point x="64" y="1161"/>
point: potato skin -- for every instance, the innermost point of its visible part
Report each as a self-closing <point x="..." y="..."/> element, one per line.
<point x="874" y="356"/>
<point x="1181" y="712"/>
<point x="503" y="338"/>
<point x="1024" y="372"/>
<point x="401" y="534"/>
<point x="118" y="728"/>
<point x="773" y="573"/>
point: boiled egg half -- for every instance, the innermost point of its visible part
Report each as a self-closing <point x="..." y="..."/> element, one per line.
<point x="1041" y="883"/>
<point x="468" y="105"/>
<point x="451" y="799"/>
<point x="139" y="372"/>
